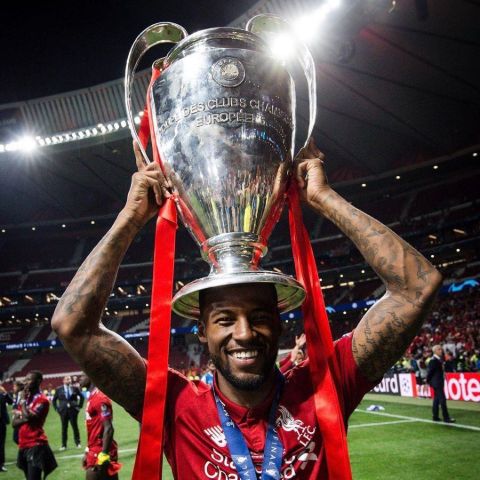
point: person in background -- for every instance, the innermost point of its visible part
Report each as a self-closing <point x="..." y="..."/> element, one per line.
<point x="101" y="455"/>
<point x="67" y="401"/>
<point x="16" y="397"/>
<point x="34" y="455"/>
<point x="436" y="379"/>
<point x="296" y="356"/>
<point x="5" y="398"/>
<point x="75" y="381"/>
<point x="209" y="374"/>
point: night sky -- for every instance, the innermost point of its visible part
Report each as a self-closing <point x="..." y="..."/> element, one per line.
<point x="57" y="46"/>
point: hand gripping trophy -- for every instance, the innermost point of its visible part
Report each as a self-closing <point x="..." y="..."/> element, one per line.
<point x="221" y="117"/>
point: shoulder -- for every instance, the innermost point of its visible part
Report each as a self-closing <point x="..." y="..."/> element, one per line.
<point x="102" y="398"/>
<point x="179" y="383"/>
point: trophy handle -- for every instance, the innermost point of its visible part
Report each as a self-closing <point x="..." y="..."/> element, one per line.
<point x="266" y="23"/>
<point x="156" y="34"/>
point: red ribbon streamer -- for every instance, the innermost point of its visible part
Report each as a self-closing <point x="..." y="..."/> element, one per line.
<point x="148" y="462"/>
<point x="320" y="346"/>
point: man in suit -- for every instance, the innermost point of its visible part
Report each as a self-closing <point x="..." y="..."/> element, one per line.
<point x="436" y="379"/>
<point x="4" y="421"/>
<point x="67" y="402"/>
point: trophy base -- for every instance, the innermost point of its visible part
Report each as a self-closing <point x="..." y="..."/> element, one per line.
<point x="290" y="292"/>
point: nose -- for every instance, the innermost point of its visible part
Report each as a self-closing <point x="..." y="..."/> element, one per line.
<point x="242" y="329"/>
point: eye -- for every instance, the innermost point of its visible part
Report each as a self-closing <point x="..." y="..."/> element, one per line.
<point x="261" y="318"/>
<point x="224" y="320"/>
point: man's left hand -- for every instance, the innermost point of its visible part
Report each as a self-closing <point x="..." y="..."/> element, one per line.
<point x="310" y="174"/>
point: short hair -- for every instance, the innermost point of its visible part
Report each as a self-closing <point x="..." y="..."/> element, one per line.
<point x="37" y="374"/>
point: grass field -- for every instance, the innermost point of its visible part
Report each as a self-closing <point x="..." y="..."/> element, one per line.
<point x="400" y="443"/>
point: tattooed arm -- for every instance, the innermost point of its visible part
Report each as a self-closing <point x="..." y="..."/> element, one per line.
<point x="410" y="280"/>
<point x="111" y="362"/>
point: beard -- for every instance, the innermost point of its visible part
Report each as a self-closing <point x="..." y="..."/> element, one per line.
<point x="248" y="381"/>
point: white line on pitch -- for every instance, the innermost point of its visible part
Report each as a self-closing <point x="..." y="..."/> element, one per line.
<point x="393" y="422"/>
<point x="423" y="420"/>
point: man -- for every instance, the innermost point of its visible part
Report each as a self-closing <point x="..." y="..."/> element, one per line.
<point x="67" y="402"/>
<point x="101" y="454"/>
<point x="296" y="356"/>
<point x="207" y="377"/>
<point x="4" y="421"/>
<point x="240" y="325"/>
<point x="34" y="454"/>
<point x="16" y="397"/>
<point x="436" y="379"/>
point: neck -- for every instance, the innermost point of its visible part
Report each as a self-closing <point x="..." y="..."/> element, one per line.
<point x="246" y="398"/>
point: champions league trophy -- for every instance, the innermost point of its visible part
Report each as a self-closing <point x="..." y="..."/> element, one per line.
<point x="223" y="113"/>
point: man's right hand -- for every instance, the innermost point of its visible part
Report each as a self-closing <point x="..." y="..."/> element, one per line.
<point x="148" y="190"/>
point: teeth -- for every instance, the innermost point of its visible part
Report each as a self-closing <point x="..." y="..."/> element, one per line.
<point x="245" y="354"/>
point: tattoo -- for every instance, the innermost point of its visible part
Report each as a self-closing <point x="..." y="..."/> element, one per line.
<point x="112" y="364"/>
<point x="410" y="280"/>
<point x="116" y="368"/>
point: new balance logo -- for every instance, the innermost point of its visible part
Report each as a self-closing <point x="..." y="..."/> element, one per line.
<point x="217" y="435"/>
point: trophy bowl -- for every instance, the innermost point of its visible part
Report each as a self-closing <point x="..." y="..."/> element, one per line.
<point x="223" y="113"/>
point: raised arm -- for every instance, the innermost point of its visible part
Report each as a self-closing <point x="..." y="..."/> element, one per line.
<point x="410" y="280"/>
<point x="111" y="362"/>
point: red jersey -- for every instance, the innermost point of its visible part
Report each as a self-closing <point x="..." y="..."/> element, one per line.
<point x="99" y="408"/>
<point x="193" y="430"/>
<point x="31" y="433"/>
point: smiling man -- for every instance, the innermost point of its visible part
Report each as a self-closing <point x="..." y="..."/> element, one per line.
<point x="254" y="419"/>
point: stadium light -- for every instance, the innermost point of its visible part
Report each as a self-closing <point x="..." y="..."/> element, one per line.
<point x="304" y="29"/>
<point x="307" y="26"/>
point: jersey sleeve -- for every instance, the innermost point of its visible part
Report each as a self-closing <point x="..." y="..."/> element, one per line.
<point x="352" y="385"/>
<point x="106" y="410"/>
<point x="40" y="407"/>
<point x="285" y="364"/>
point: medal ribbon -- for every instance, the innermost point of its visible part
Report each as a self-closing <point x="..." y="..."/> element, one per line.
<point x="273" y="450"/>
<point x="320" y="346"/>
<point x="148" y="461"/>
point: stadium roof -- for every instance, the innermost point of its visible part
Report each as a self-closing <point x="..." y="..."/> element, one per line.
<point x="398" y="83"/>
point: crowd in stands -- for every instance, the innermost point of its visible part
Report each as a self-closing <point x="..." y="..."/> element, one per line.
<point x="454" y="323"/>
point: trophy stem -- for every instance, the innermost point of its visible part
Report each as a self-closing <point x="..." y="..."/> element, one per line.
<point x="234" y="252"/>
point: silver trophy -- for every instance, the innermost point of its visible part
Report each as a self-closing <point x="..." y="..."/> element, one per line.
<point x="223" y="112"/>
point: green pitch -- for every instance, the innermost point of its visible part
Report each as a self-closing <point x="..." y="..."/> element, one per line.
<point x="399" y="443"/>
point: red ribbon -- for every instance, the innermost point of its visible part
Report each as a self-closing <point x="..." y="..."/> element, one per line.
<point x="148" y="462"/>
<point x="320" y="346"/>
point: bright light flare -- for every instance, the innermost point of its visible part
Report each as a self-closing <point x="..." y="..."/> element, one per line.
<point x="306" y="27"/>
<point x="282" y="46"/>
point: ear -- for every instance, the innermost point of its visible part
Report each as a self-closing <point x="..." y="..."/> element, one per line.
<point x="202" y="336"/>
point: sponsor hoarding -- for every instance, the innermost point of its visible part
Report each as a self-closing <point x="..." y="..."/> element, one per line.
<point x="463" y="386"/>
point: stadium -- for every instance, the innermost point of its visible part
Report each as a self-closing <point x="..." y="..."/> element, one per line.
<point x="398" y="115"/>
